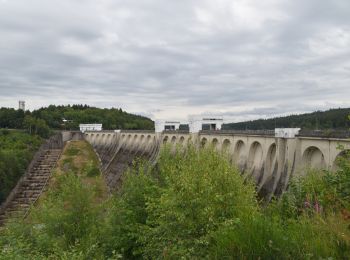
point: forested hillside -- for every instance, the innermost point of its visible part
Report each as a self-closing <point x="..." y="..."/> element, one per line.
<point x="16" y="151"/>
<point x="53" y="117"/>
<point x="112" y="118"/>
<point x="330" y="119"/>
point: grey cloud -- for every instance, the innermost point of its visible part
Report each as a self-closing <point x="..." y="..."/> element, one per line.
<point x="153" y="56"/>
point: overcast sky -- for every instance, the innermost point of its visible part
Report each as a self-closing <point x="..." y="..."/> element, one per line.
<point x="167" y="59"/>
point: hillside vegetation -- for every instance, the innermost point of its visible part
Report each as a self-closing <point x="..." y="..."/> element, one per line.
<point x="192" y="205"/>
<point x="53" y="116"/>
<point x="330" y="119"/>
<point x="16" y="151"/>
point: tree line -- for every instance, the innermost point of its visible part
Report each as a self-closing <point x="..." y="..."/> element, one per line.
<point x="68" y="117"/>
<point x="319" y="120"/>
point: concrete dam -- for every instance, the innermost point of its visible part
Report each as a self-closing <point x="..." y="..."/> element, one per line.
<point x="271" y="158"/>
<point x="268" y="158"/>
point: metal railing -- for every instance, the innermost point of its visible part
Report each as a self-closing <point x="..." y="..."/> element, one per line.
<point x="137" y="131"/>
<point x="341" y="134"/>
<point x="239" y="132"/>
<point x="176" y="132"/>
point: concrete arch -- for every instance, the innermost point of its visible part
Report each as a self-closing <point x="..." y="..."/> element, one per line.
<point x="345" y="154"/>
<point x="173" y="140"/>
<point x="215" y="143"/>
<point x="154" y="140"/>
<point x="147" y="143"/>
<point x="135" y="142"/>
<point x="271" y="158"/>
<point x="266" y="180"/>
<point x="255" y="156"/>
<point x="203" y="142"/>
<point x="149" y="139"/>
<point x="181" y="140"/>
<point x="92" y="138"/>
<point x="165" y="139"/>
<point x="239" y="154"/>
<point x="313" y="158"/>
<point x="128" y="141"/>
<point x="142" y="142"/>
<point x="226" y="145"/>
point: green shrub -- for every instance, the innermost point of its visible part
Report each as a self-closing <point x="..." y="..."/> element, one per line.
<point x="92" y="169"/>
<point x="196" y="205"/>
<point x="4" y="132"/>
<point x="342" y="177"/>
<point x="202" y="192"/>
<point x="318" y="192"/>
<point x="68" y="165"/>
<point x="72" y="151"/>
<point x="172" y="210"/>
<point x="128" y="218"/>
<point x="68" y="222"/>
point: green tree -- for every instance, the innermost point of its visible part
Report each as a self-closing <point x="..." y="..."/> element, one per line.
<point x="36" y="126"/>
<point x="29" y="124"/>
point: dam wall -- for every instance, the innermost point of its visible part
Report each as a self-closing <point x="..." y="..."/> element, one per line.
<point x="269" y="160"/>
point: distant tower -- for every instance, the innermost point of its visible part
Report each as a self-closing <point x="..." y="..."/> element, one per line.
<point x="22" y="105"/>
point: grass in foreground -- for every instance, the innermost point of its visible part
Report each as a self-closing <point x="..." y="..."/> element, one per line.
<point x="192" y="205"/>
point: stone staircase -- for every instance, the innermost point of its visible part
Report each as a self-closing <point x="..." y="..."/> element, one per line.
<point x="31" y="186"/>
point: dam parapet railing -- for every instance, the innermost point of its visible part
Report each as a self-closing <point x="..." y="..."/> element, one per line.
<point x="239" y="132"/>
<point x="338" y="134"/>
<point x="137" y="131"/>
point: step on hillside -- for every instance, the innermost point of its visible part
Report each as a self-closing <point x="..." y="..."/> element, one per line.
<point x="31" y="187"/>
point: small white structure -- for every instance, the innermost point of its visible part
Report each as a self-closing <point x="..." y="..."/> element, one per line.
<point x="66" y="120"/>
<point x="210" y="122"/>
<point x="162" y="125"/>
<point x="90" y="127"/>
<point x="286" y="132"/>
<point x="22" y="105"/>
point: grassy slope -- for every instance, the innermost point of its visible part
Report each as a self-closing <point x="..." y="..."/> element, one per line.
<point x="69" y="215"/>
<point x="79" y="158"/>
